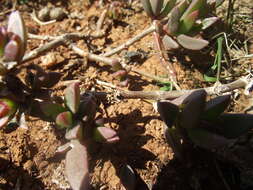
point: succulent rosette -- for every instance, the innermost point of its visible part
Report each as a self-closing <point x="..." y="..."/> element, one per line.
<point x="185" y="19"/>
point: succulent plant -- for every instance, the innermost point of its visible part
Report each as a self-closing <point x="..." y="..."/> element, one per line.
<point x="185" y="20"/>
<point x="8" y="109"/>
<point x="12" y="42"/>
<point x="190" y="118"/>
<point x="77" y="116"/>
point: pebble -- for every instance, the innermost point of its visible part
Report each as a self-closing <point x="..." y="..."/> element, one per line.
<point x="57" y="14"/>
<point x="43" y="14"/>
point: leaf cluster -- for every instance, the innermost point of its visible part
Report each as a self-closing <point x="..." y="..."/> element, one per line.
<point x="190" y="118"/>
<point x="183" y="21"/>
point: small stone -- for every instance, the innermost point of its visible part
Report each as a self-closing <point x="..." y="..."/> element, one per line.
<point x="57" y="14"/>
<point x="43" y="14"/>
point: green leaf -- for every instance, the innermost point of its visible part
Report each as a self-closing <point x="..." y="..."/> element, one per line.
<point x="215" y="107"/>
<point x="51" y="109"/>
<point x="75" y="133"/>
<point x="187" y="23"/>
<point x="72" y="97"/>
<point x="168" y="112"/>
<point x="64" y="120"/>
<point x="235" y="125"/>
<point x="209" y="79"/>
<point x="191" y="43"/>
<point x="168" y="5"/>
<point x="207" y="139"/>
<point x="156" y="6"/>
<point x="147" y="7"/>
<point x="195" y="5"/>
<point x="216" y="64"/>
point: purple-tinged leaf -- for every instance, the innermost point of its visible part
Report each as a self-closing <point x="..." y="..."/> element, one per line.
<point x="156" y="6"/>
<point x="88" y="108"/>
<point x="168" y="5"/>
<point x="75" y="133"/>
<point x="127" y="177"/>
<point x="51" y="109"/>
<point x="192" y="107"/>
<point x="147" y="7"/>
<point x="169" y="43"/>
<point x="64" y="119"/>
<point x="235" y="125"/>
<point x="11" y="51"/>
<point x="208" y="140"/>
<point x="195" y="5"/>
<point x="77" y="168"/>
<point x="215" y="107"/>
<point x="173" y="23"/>
<point x="187" y="23"/>
<point x="208" y="22"/>
<point x="168" y="112"/>
<point x="72" y="97"/>
<point x="104" y="134"/>
<point x="7" y="107"/>
<point x="16" y="26"/>
<point x="191" y="43"/>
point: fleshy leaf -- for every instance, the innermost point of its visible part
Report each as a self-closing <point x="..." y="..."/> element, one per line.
<point x="208" y="22"/>
<point x="104" y="134"/>
<point x="7" y="107"/>
<point x="64" y="119"/>
<point x="208" y="140"/>
<point x="156" y="6"/>
<point x="77" y="168"/>
<point x="192" y="107"/>
<point x="16" y="26"/>
<point x="195" y="5"/>
<point x="215" y="107"/>
<point x="235" y="125"/>
<point x="168" y="5"/>
<point x="173" y="22"/>
<point x="127" y="177"/>
<point x="11" y="51"/>
<point x="88" y="108"/>
<point x="51" y="109"/>
<point x="169" y="43"/>
<point x="187" y="23"/>
<point x="147" y="7"/>
<point x="72" y="97"/>
<point x="75" y="133"/>
<point x="2" y="40"/>
<point x="168" y="112"/>
<point x="191" y="43"/>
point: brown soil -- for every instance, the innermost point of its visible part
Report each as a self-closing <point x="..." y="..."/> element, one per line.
<point x="27" y="158"/>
